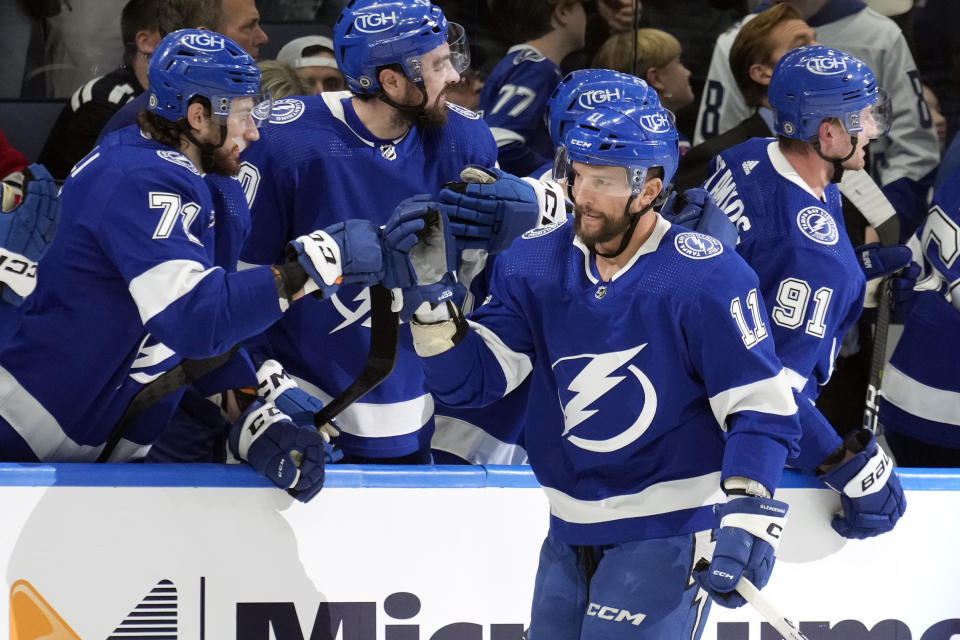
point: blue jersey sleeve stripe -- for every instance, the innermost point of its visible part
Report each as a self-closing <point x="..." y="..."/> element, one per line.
<point x="157" y="288"/>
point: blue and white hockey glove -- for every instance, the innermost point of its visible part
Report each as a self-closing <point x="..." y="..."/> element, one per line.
<point x="747" y="540"/>
<point x="30" y="212"/>
<point x="871" y="497"/>
<point x="421" y="274"/>
<point x="291" y="457"/>
<point x="878" y="261"/>
<point x="489" y="208"/>
<point x="696" y="210"/>
<point x="276" y="386"/>
<point x="344" y="253"/>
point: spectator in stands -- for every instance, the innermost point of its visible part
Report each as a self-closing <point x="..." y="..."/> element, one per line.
<point x="657" y="61"/>
<point x="755" y="51"/>
<point x="81" y="41"/>
<point x="75" y="132"/>
<point x="515" y="94"/>
<point x="11" y="160"/>
<point x="312" y="56"/>
<point x="936" y="116"/>
<point x="239" y="20"/>
<point x="904" y="161"/>
<point x="282" y="80"/>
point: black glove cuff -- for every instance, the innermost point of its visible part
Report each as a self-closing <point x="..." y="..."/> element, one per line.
<point x="289" y="278"/>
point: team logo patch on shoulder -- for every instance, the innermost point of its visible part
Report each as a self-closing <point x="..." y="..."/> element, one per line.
<point x="466" y="113"/>
<point x="542" y="231"/>
<point x="697" y="246"/>
<point x="177" y="158"/>
<point x="818" y="225"/>
<point x="286" y="110"/>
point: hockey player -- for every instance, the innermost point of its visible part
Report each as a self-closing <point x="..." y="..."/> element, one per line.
<point x="782" y="196"/>
<point x="131" y="286"/>
<point x="331" y="157"/>
<point x="901" y="162"/>
<point x="920" y="398"/>
<point x="655" y="383"/>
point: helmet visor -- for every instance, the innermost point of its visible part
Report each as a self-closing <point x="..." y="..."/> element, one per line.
<point x="251" y="110"/>
<point x="606" y="180"/>
<point x="874" y="119"/>
<point x="455" y="51"/>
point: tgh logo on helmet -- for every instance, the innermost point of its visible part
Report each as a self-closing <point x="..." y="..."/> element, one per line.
<point x="376" y="22"/>
<point x="826" y="66"/>
<point x="206" y="41"/>
<point x="655" y="122"/>
<point x="593" y="99"/>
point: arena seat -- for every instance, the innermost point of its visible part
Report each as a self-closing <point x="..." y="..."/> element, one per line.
<point x="26" y="123"/>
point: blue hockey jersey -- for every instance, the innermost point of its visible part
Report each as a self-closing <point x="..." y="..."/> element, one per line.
<point x="514" y="101"/>
<point x="129" y="287"/>
<point x="810" y="280"/>
<point x="315" y="165"/>
<point x="630" y="380"/>
<point x="920" y="396"/>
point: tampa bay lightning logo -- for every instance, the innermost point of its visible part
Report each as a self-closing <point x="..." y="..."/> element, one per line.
<point x="818" y="225"/>
<point x="697" y="246"/>
<point x="607" y="384"/>
<point x="466" y="113"/>
<point x="542" y="231"/>
<point x="286" y="110"/>
<point x="350" y="315"/>
<point x="177" y="158"/>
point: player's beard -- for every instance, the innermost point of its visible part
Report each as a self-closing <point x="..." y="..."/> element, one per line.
<point x="222" y="163"/>
<point x="612" y="228"/>
<point x="430" y="116"/>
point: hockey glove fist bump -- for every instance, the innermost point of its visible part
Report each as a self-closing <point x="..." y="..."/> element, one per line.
<point x="878" y="261"/>
<point x="871" y="497"/>
<point x="420" y="258"/>
<point x="291" y="457"/>
<point x="696" y="210"/>
<point x="746" y="543"/>
<point x="343" y="253"/>
<point x="489" y="208"/>
<point x="28" y="222"/>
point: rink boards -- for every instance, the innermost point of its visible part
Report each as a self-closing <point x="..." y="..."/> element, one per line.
<point x="445" y="553"/>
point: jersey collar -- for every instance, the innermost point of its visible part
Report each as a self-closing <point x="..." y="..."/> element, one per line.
<point x="782" y="166"/>
<point x="340" y="106"/>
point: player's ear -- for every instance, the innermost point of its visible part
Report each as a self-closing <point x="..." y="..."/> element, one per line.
<point x="392" y="84"/>
<point x="827" y="134"/>
<point x="651" y="189"/>
<point x="195" y="116"/>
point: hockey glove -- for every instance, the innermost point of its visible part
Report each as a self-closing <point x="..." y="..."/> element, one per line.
<point x="903" y="296"/>
<point x="696" y="210"/>
<point x="747" y="540"/>
<point x="276" y="386"/>
<point x="489" y="208"/>
<point x="30" y="212"/>
<point x="871" y="497"/>
<point x="420" y="274"/>
<point x="344" y="253"/>
<point x="878" y="261"/>
<point x="291" y="457"/>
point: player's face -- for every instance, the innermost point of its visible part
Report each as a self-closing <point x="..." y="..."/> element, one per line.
<point x="324" y="78"/>
<point x="241" y="131"/>
<point x="241" y="23"/>
<point x="438" y="75"/>
<point x="599" y="216"/>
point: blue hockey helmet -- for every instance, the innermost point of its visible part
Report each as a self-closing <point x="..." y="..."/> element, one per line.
<point x="194" y="62"/>
<point x="811" y="84"/>
<point x="635" y="137"/>
<point x="587" y="89"/>
<point x="372" y="33"/>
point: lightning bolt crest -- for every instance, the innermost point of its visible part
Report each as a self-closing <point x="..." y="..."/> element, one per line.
<point x="592" y="383"/>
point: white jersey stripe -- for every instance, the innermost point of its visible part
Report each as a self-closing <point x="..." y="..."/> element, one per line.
<point x="516" y="366"/>
<point x="473" y="444"/>
<point x="661" y="498"/>
<point x="918" y="399"/>
<point x="772" y="395"/>
<point x="157" y="288"/>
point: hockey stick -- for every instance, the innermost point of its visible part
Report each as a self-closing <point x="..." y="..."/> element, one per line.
<point x="384" y="335"/>
<point x="871" y="409"/>
<point x="763" y="606"/>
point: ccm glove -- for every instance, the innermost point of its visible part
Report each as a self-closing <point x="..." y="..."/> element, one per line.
<point x="696" y="210"/>
<point x="344" y="253"/>
<point x="28" y="221"/>
<point x="420" y="272"/>
<point x="275" y="385"/>
<point x="746" y="543"/>
<point x="291" y="457"/>
<point x="871" y="497"/>
<point x="489" y="208"/>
